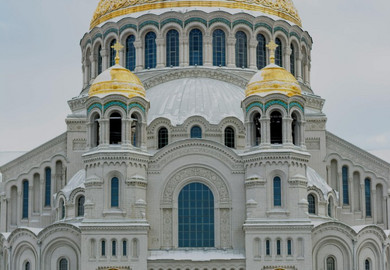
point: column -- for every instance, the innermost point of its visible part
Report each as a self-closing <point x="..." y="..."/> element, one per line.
<point x="93" y="66"/>
<point x="143" y="135"/>
<point x="350" y="191"/>
<point x="160" y="42"/>
<point x="138" y="55"/>
<point x="301" y="129"/>
<point x="249" y="134"/>
<point x="19" y="207"/>
<point x="122" y="55"/>
<point x="265" y="131"/>
<point x="127" y="132"/>
<point x="231" y="59"/>
<point x="384" y="201"/>
<point x="340" y="178"/>
<point x="373" y="206"/>
<point x="252" y="53"/>
<point x="30" y="198"/>
<point x="104" y="132"/>
<point x="287" y="132"/>
<point x="89" y="133"/>
<point x="287" y="54"/>
<point x="186" y="53"/>
<point x="306" y="70"/>
<point x="362" y="200"/>
<point x="208" y="52"/>
<point x="299" y="68"/>
<point x="181" y="51"/>
<point x="104" y="53"/>
<point x="85" y="73"/>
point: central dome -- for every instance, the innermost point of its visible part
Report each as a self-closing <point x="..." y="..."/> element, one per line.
<point x="108" y="9"/>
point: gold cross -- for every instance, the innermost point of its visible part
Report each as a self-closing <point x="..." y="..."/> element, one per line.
<point x="272" y="47"/>
<point x="117" y="47"/>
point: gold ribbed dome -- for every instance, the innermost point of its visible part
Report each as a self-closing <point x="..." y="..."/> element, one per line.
<point x="117" y="80"/>
<point x="108" y="9"/>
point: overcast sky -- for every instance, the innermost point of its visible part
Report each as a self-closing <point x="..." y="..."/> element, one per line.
<point x="40" y="67"/>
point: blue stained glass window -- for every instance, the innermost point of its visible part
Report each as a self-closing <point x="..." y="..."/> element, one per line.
<point x="279" y="53"/>
<point x="124" y="248"/>
<point x="261" y="56"/>
<point x="312" y="203"/>
<point x="80" y="206"/>
<point x="330" y="208"/>
<point x="367" y="195"/>
<point x="62" y="209"/>
<point x="47" y="186"/>
<point x="289" y="247"/>
<point x="27" y="266"/>
<point x="229" y="137"/>
<point x="196" y="216"/>
<point x="63" y="264"/>
<point x="114" y="192"/>
<point x="367" y="265"/>
<point x="112" y="53"/>
<point x="103" y="248"/>
<point x="25" y="199"/>
<point x="241" y="50"/>
<point x="172" y="48"/>
<point x="150" y="50"/>
<point x="113" y="248"/>
<point x="130" y="53"/>
<point x="99" y="60"/>
<point x="278" y="247"/>
<point x="219" y="48"/>
<point x="196" y="132"/>
<point x="292" y="60"/>
<point x="277" y="192"/>
<point x="345" y="185"/>
<point x="162" y="137"/>
<point x="196" y="47"/>
<point x="267" y="247"/>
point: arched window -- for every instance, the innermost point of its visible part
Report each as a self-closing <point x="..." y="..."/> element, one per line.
<point x="27" y="266"/>
<point x="196" y="216"/>
<point x="63" y="264"/>
<point x="124" y="248"/>
<point x="25" y="199"/>
<point x="312" y="203"/>
<point x="292" y="60"/>
<point x="103" y="248"/>
<point x="80" y="206"/>
<point x="289" y="247"/>
<point x="294" y="129"/>
<point x="62" y="209"/>
<point x="99" y="60"/>
<point x="277" y="191"/>
<point x="276" y="128"/>
<point x="162" y="137"/>
<point x="279" y="53"/>
<point x="256" y="129"/>
<point x="114" y="192"/>
<point x="113" y="249"/>
<point x="330" y="206"/>
<point x="196" y="132"/>
<point x="367" y="265"/>
<point x="278" y="247"/>
<point x="150" y="50"/>
<point x="261" y="56"/>
<point x="112" y="52"/>
<point x="196" y="47"/>
<point x="219" y="48"/>
<point x="268" y="247"/>
<point x="135" y="130"/>
<point x="172" y="48"/>
<point x="367" y="195"/>
<point x="115" y="128"/>
<point x="330" y="264"/>
<point x="47" y="186"/>
<point x="95" y="131"/>
<point x="130" y="53"/>
<point x="345" y="185"/>
<point x="229" y="137"/>
<point x="241" y="50"/>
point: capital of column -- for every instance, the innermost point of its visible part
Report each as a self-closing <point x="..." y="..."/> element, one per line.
<point x="103" y="52"/>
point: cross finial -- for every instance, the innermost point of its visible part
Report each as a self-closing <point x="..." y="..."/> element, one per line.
<point x="272" y="47"/>
<point x="117" y="47"/>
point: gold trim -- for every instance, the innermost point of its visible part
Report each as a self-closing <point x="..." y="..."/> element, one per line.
<point x="103" y="12"/>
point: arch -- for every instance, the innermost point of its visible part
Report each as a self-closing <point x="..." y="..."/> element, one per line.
<point x="172" y="48"/>
<point x="162" y="137"/>
<point x="279" y="52"/>
<point x="196" y="132"/>
<point x="277" y="191"/>
<point x="112" y="52"/>
<point x="311" y="204"/>
<point x="229" y="137"/>
<point x="25" y="199"/>
<point x="219" y="48"/>
<point x="130" y="53"/>
<point x="241" y="49"/>
<point x="115" y="128"/>
<point x="261" y="51"/>
<point x="345" y="176"/>
<point x="150" y="50"/>
<point x="367" y="196"/>
<point x="80" y="206"/>
<point x="47" y="186"/>
<point x="115" y="192"/>
<point x="276" y="127"/>
<point x="196" y="47"/>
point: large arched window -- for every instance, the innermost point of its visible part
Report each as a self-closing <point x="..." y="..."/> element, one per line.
<point x="330" y="263"/>
<point x="277" y="191"/>
<point x="150" y="50"/>
<point x="276" y="128"/>
<point x="47" y="186"/>
<point x="367" y="265"/>
<point x="135" y="130"/>
<point x="292" y="60"/>
<point x="130" y="53"/>
<point x="256" y="129"/>
<point x="345" y="185"/>
<point x="312" y="203"/>
<point x="114" y="192"/>
<point x="99" y="60"/>
<point x="95" y="132"/>
<point x="25" y="199"/>
<point x="367" y="196"/>
<point x="80" y="206"/>
<point x="196" y="216"/>
<point x="241" y="50"/>
<point x="219" y="48"/>
<point x="112" y="52"/>
<point x="172" y="48"/>
<point x="27" y="266"/>
<point x="162" y="137"/>
<point x="229" y="137"/>
<point x="115" y="128"/>
<point x="261" y="57"/>
<point x="196" y="132"/>
<point x="279" y="53"/>
<point x="63" y="264"/>
<point x="196" y="47"/>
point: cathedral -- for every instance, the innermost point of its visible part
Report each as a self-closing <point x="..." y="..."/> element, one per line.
<point x="195" y="143"/>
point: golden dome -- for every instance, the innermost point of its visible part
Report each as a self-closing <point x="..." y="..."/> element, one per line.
<point x="108" y="9"/>
<point x="117" y="80"/>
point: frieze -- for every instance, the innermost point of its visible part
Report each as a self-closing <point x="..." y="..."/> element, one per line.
<point x="77" y="103"/>
<point x="315" y="124"/>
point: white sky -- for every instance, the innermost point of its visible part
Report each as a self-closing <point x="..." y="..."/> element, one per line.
<point x="40" y="67"/>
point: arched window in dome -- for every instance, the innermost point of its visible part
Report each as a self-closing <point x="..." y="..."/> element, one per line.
<point x="367" y="265"/>
<point x="136" y="130"/>
<point x="196" y="47"/>
<point x="99" y="60"/>
<point x="196" y="216"/>
<point x="241" y="50"/>
<point x="115" y="128"/>
<point x="229" y="137"/>
<point x="162" y="137"/>
<point x="261" y="56"/>
<point x="219" y="48"/>
<point x="367" y="196"/>
<point x="63" y="264"/>
<point x="276" y="128"/>
<point x="47" y="187"/>
<point x="95" y="130"/>
<point x="295" y="129"/>
<point x="27" y="266"/>
<point x="150" y="50"/>
<point x="292" y="60"/>
<point x="312" y="204"/>
<point x="80" y="206"/>
<point x="196" y="132"/>
<point x="330" y="263"/>
<point x="277" y="185"/>
<point x="279" y="53"/>
<point x="130" y="53"/>
<point x="345" y="185"/>
<point x="115" y="192"/>
<point x="112" y="52"/>
<point x="256" y="126"/>
<point x="25" y="199"/>
<point x="172" y="48"/>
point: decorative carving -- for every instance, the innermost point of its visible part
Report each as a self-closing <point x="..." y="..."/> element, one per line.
<point x="167" y="228"/>
<point x="225" y="228"/>
<point x="79" y="144"/>
<point x="312" y="143"/>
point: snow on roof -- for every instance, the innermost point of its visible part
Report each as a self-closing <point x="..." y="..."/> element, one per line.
<point x="77" y="181"/>
<point x="195" y="255"/>
<point x="314" y="179"/>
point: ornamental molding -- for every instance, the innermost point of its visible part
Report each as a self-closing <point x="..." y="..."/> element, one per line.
<point x="77" y="103"/>
<point x="260" y="158"/>
<point x="131" y="158"/>
<point x="315" y="124"/>
<point x="138" y="228"/>
<point x="325" y="228"/>
<point x="114" y="268"/>
<point x="231" y="264"/>
<point x="256" y="226"/>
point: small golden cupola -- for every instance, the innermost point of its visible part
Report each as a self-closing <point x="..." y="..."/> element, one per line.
<point x="273" y="79"/>
<point x="117" y="80"/>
